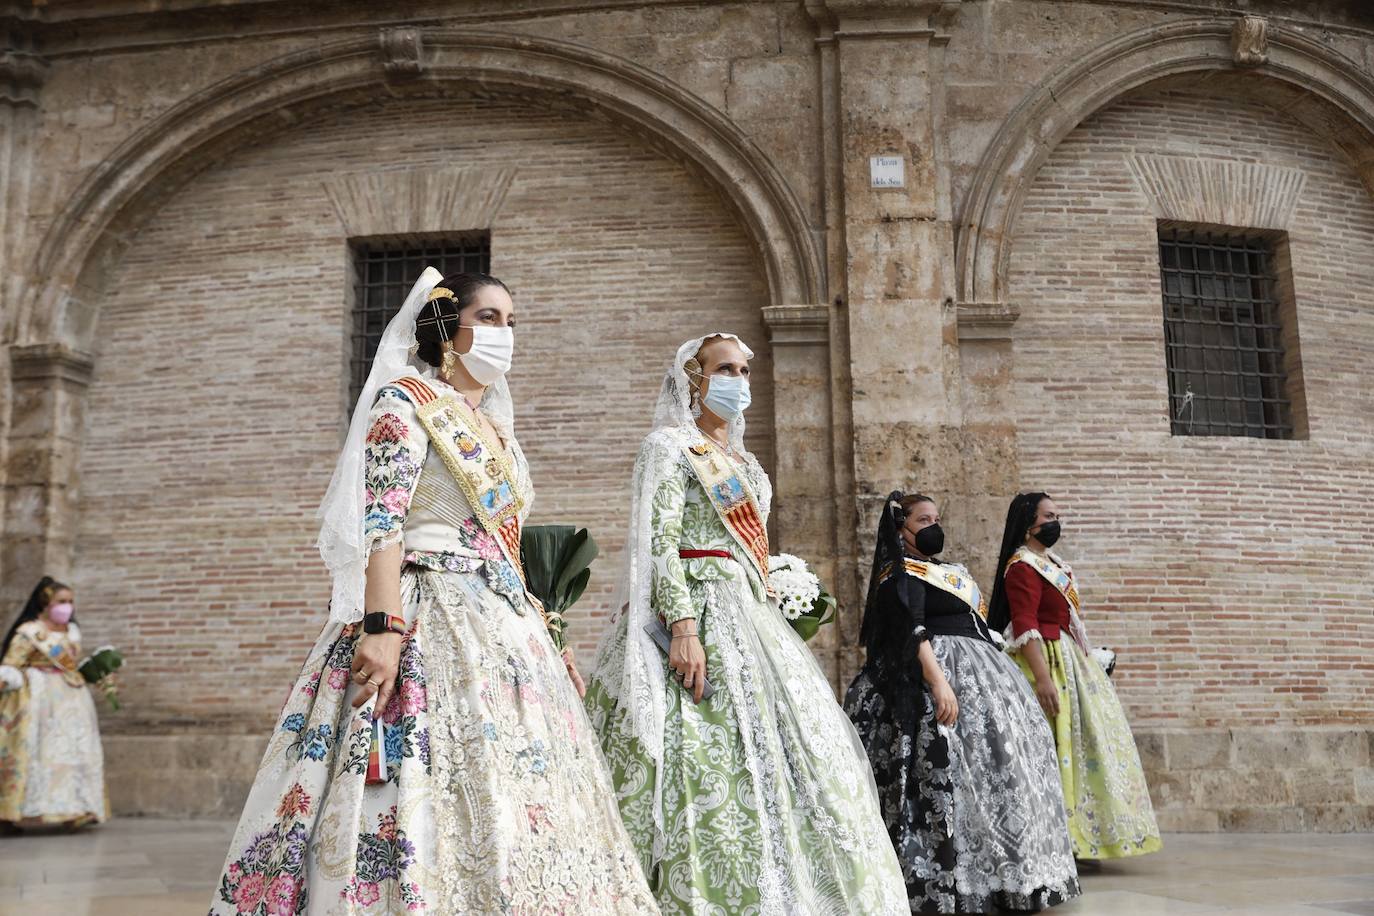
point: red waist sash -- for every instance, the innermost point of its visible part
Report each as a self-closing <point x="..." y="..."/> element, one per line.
<point x="698" y="554"/>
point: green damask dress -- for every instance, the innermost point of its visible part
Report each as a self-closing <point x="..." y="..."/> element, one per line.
<point x="760" y="800"/>
<point x="1105" y="792"/>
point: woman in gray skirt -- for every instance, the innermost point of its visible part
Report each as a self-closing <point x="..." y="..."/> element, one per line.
<point x="966" y="773"/>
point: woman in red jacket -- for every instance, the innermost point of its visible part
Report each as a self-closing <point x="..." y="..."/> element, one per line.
<point x="1035" y="601"/>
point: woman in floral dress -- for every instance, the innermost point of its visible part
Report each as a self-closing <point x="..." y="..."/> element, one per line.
<point x="52" y="769"/>
<point x="757" y="800"/>
<point x="433" y="755"/>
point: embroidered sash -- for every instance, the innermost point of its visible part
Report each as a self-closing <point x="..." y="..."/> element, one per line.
<point x="946" y="578"/>
<point x="1055" y="575"/>
<point x="734" y="502"/>
<point x="478" y="465"/>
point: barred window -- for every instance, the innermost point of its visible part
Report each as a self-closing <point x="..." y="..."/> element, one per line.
<point x="384" y="271"/>
<point x="1224" y="333"/>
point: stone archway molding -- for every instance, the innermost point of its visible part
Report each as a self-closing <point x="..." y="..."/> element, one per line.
<point x="186" y="136"/>
<point x="1061" y="102"/>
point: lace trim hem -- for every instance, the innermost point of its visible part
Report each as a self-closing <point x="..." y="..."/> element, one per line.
<point x="381" y="540"/>
<point x="1024" y="639"/>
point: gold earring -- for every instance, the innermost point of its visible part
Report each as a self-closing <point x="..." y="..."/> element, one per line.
<point x="450" y="361"/>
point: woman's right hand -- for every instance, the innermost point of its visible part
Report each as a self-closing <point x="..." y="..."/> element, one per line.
<point x="946" y="706"/>
<point x="376" y="662"/>
<point x="1047" y="692"/>
<point x="687" y="658"/>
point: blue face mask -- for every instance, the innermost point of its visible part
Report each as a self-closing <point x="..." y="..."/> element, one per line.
<point x="727" y="396"/>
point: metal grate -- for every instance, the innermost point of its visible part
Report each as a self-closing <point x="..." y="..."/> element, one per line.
<point x="1222" y="334"/>
<point x="384" y="273"/>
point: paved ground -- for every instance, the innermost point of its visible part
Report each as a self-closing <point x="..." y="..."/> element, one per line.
<point x="136" y="867"/>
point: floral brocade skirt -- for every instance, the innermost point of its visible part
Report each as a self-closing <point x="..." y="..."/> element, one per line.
<point x="974" y="809"/>
<point x="1108" y="800"/>
<point x="52" y="768"/>
<point x="766" y="801"/>
<point x="496" y="798"/>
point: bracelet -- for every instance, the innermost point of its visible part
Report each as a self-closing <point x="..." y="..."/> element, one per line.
<point x="382" y="622"/>
<point x="685" y="635"/>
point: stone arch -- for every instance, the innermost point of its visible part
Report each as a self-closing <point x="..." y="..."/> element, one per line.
<point x="1308" y="80"/>
<point x="60" y="304"/>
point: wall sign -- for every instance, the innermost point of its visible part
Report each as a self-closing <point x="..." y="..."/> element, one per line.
<point x="887" y="172"/>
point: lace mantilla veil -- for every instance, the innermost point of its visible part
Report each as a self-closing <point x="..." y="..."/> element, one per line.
<point x="342" y="541"/>
<point x="629" y="665"/>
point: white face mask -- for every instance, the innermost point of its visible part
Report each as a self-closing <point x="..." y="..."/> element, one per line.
<point x="727" y="396"/>
<point x="490" y="356"/>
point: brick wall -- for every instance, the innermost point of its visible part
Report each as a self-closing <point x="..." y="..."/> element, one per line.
<point x="1233" y="572"/>
<point x="214" y="419"/>
<point x="1228" y="572"/>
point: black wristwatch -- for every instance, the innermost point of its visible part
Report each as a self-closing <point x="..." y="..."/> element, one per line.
<point x="382" y="622"/>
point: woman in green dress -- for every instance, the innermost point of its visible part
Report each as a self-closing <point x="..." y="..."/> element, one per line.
<point x="1036" y="602"/>
<point x="741" y="780"/>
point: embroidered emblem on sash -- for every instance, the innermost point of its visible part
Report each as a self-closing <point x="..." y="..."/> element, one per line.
<point x="733" y="502"/>
<point x="468" y="447"/>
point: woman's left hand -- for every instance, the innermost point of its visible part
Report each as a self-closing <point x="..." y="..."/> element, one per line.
<point x="946" y="704"/>
<point x="573" y="673"/>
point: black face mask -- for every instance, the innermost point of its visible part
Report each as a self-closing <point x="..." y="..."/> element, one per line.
<point x="930" y="540"/>
<point x="1048" y="533"/>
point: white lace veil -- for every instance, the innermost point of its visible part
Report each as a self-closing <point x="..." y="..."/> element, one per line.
<point x="629" y="665"/>
<point x="342" y="543"/>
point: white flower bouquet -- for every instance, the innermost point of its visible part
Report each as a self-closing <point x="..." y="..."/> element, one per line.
<point x="803" y="601"/>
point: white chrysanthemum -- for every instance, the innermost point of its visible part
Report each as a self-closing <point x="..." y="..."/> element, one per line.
<point x="786" y="561"/>
<point x="797" y="590"/>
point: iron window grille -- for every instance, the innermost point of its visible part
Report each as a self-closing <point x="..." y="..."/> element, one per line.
<point x="384" y="271"/>
<point x="1223" y="334"/>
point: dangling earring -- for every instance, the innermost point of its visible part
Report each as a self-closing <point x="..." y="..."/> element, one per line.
<point x="449" y="362"/>
<point x="692" y="369"/>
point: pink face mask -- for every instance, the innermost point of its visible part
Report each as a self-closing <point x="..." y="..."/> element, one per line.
<point x="60" y="613"/>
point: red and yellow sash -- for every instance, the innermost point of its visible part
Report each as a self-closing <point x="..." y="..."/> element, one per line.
<point x="946" y="578"/>
<point x="1054" y="574"/>
<point x="478" y="465"/>
<point x="734" y="502"/>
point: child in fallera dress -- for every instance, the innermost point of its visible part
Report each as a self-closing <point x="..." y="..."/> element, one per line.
<point x="52" y="770"/>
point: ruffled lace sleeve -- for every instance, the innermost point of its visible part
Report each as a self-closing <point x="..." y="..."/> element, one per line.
<point x="394" y="453"/>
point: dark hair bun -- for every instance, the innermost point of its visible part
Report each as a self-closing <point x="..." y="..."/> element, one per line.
<point x="438" y="320"/>
<point x="436" y="324"/>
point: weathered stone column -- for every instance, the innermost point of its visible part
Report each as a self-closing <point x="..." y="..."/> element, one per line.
<point x="49" y="383"/>
<point x="991" y="472"/>
<point x="22" y="70"/>
<point x="898" y="232"/>
<point x="803" y="481"/>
